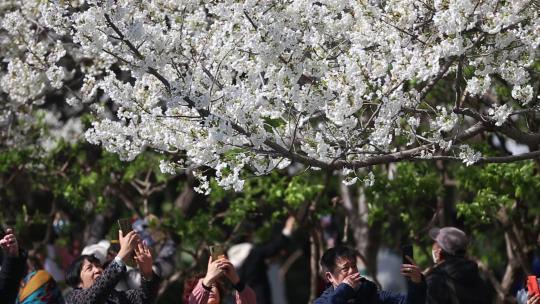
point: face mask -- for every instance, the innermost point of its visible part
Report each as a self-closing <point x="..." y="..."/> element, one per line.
<point x="434" y="255"/>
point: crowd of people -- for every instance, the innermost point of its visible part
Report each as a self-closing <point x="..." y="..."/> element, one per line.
<point x="96" y="276"/>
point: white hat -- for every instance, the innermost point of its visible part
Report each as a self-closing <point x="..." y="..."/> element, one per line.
<point x="238" y="253"/>
<point x="98" y="250"/>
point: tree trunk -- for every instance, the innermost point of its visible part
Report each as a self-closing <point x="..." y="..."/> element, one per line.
<point x="314" y="256"/>
<point x="367" y="239"/>
<point x="185" y="200"/>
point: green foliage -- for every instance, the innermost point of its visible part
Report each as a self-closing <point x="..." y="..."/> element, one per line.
<point x="301" y="189"/>
<point x="496" y="186"/>
<point x="413" y="187"/>
<point x="11" y="159"/>
<point x="265" y="199"/>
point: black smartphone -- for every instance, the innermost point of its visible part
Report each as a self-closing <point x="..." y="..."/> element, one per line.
<point x="125" y="225"/>
<point x="407" y="251"/>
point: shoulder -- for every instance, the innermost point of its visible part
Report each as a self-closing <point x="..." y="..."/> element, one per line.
<point x="435" y="274"/>
<point x="323" y="298"/>
<point x="73" y="295"/>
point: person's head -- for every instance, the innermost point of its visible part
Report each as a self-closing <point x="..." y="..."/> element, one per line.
<point x="448" y="242"/>
<point x="99" y="251"/>
<point x="337" y="263"/>
<point x="215" y="295"/>
<point x="83" y="272"/>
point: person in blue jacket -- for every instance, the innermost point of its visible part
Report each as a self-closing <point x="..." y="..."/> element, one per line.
<point x="349" y="287"/>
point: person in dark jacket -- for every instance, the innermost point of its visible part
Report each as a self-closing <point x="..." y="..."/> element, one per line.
<point x="13" y="268"/>
<point x="454" y="279"/>
<point x="92" y="284"/>
<point x="250" y="260"/>
<point x="348" y="286"/>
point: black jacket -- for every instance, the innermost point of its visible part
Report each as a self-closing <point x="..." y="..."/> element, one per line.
<point x="367" y="293"/>
<point x="456" y="281"/>
<point x="103" y="292"/>
<point x="11" y="274"/>
<point x="253" y="270"/>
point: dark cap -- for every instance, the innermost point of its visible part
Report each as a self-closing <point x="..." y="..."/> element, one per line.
<point x="450" y="239"/>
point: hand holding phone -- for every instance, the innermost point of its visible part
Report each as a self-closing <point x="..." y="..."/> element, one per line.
<point x="532" y="286"/>
<point x="407" y="251"/>
<point x="409" y="269"/>
<point x="217" y="252"/>
<point x="9" y="243"/>
<point x="124" y="224"/>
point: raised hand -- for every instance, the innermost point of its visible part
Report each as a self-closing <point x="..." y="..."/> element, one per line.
<point x="228" y="269"/>
<point x="353" y="280"/>
<point x="127" y="243"/>
<point x="289" y="226"/>
<point x="412" y="271"/>
<point x="143" y="258"/>
<point x="9" y="244"/>
<point x="213" y="272"/>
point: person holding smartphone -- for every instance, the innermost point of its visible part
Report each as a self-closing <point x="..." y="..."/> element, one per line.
<point x="209" y="289"/>
<point x="348" y="286"/>
<point x="93" y="284"/>
<point x="13" y="267"/>
<point x="531" y="295"/>
<point x="454" y="279"/>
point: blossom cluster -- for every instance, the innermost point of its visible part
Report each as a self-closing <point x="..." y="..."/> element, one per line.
<point x="259" y="84"/>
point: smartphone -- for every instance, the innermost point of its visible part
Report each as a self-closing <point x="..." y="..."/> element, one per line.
<point x="217" y="252"/>
<point x="124" y="224"/>
<point x="532" y="286"/>
<point x="407" y="250"/>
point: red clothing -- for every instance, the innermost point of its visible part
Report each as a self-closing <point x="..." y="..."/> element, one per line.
<point x="200" y="295"/>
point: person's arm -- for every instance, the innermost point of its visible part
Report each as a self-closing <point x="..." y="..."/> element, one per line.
<point x="105" y="283"/>
<point x="533" y="299"/>
<point x="354" y="286"/>
<point x="13" y="268"/>
<point x="199" y="294"/>
<point x="271" y="247"/>
<point x="416" y="287"/>
<point x="416" y="295"/>
<point x="147" y="292"/>
<point x="244" y="294"/>
<point x="340" y="295"/>
<point x="101" y="288"/>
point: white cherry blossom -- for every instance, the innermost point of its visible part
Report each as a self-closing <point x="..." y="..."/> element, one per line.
<point x="234" y="85"/>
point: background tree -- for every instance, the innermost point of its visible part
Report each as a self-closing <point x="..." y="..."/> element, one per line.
<point x="245" y="84"/>
<point x="322" y="98"/>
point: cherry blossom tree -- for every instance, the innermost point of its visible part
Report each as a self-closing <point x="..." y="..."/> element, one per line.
<point x="332" y="85"/>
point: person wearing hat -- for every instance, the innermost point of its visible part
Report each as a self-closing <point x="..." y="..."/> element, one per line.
<point x="454" y="279"/>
